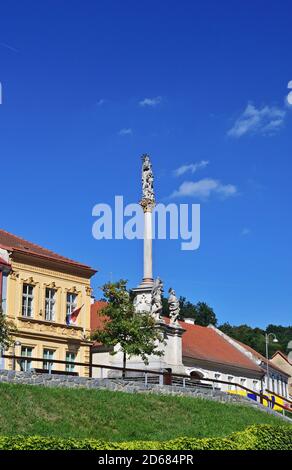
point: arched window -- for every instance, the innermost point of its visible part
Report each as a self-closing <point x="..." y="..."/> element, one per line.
<point x="196" y="376"/>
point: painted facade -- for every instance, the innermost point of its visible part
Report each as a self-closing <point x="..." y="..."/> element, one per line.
<point x="283" y="362"/>
<point x="39" y="289"/>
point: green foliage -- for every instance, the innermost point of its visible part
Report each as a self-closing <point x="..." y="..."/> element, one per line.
<point x="284" y="336"/>
<point x="6" y="329"/>
<point x="262" y="437"/>
<point x="202" y="313"/>
<point x="136" y="334"/>
<point x="255" y="337"/>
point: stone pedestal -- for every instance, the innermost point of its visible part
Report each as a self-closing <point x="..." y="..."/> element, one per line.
<point x="142" y="301"/>
<point x="172" y="358"/>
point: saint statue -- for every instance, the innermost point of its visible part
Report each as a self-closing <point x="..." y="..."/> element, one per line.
<point x="174" y="308"/>
<point x="147" y="179"/>
<point x="156" y="299"/>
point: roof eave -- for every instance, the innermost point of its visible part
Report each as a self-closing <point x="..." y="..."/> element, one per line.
<point x="59" y="262"/>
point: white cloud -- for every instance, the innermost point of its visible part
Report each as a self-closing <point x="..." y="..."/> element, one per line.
<point x="193" y="167"/>
<point x="125" y="131"/>
<point x="265" y="120"/>
<point x="100" y="102"/>
<point x="203" y="189"/>
<point x="289" y="96"/>
<point x="150" y="101"/>
<point x="245" y="231"/>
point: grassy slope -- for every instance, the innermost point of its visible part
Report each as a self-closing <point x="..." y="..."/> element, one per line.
<point x="117" y="416"/>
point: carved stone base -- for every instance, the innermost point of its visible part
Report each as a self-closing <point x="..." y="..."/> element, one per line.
<point x="142" y="301"/>
<point x="172" y="358"/>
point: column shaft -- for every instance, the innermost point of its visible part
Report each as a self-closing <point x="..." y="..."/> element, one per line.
<point x="148" y="276"/>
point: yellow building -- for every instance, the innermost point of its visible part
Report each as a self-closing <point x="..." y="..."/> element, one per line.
<point x="282" y="361"/>
<point x="39" y="292"/>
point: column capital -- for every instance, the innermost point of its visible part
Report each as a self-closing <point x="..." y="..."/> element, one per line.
<point x="147" y="205"/>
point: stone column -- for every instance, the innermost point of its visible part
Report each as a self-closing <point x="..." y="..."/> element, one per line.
<point x="148" y="275"/>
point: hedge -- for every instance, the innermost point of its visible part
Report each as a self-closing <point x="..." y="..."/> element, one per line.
<point x="257" y="437"/>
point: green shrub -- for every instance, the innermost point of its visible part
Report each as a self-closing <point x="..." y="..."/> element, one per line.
<point x="257" y="437"/>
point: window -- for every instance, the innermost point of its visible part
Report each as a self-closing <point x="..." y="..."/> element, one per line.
<point x="48" y="354"/>
<point x="230" y="380"/>
<point x="70" y="357"/>
<point x="255" y="384"/>
<point x="217" y="376"/>
<point x="27" y="300"/>
<point x="243" y="382"/>
<point x="25" y="364"/>
<point x="71" y="303"/>
<point x="50" y="304"/>
<point x="4" y="292"/>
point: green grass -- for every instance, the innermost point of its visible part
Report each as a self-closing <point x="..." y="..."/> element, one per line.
<point x="117" y="416"/>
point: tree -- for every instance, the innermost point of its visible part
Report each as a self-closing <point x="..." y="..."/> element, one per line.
<point x="136" y="334"/>
<point x="187" y="309"/>
<point x="256" y="339"/>
<point x="6" y="328"/>
<point x="201" y="312"/>
<point x="205" y="315"/>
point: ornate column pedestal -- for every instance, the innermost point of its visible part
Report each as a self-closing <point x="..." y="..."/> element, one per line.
<point x="171" y="360"/>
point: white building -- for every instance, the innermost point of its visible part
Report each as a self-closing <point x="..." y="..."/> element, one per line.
<point x="207" y="353"/>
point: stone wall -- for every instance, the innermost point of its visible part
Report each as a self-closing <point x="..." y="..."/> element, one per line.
<point x="119" y="385"/>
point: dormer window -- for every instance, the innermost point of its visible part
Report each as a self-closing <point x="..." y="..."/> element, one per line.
<point x="27" y="300"/>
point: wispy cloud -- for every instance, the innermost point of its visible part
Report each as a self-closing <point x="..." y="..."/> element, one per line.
<point x="152" y="102"/>
<point x="192" y="167"/>
<point x="204" y="188"/>
<point x="100" y="102"/>
<point x="7" y="46"/>
<point x="265" y="121"/>
<point x="125" y="131"/>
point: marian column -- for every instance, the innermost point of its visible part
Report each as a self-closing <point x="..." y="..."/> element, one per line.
<point x="143" y="292"/>
<point x="147" y="203"/>
<point x="149" y="294"/>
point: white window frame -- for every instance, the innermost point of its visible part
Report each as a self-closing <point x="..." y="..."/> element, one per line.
<point x="255" y="384"/>
<point x="4" y="292"/>
<point x="26" y="364"/>
<point x="71" y="303"/>
<point x="230" y="380"/>
<point x="243" y="381"/>
<point x="70" y="357"/>
<point x="26" y="296"/>
<point x="50" y="304"/>
<point x="49" y="355"/>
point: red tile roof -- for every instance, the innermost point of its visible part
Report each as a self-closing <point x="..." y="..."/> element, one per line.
<point x="14" y="243"/>
<point x="198" y="342"/>
<point x="97" y="320"/>
<point x="203" y="343"/>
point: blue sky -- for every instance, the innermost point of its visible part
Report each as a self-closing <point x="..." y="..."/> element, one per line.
<point x="90" y="86"/>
